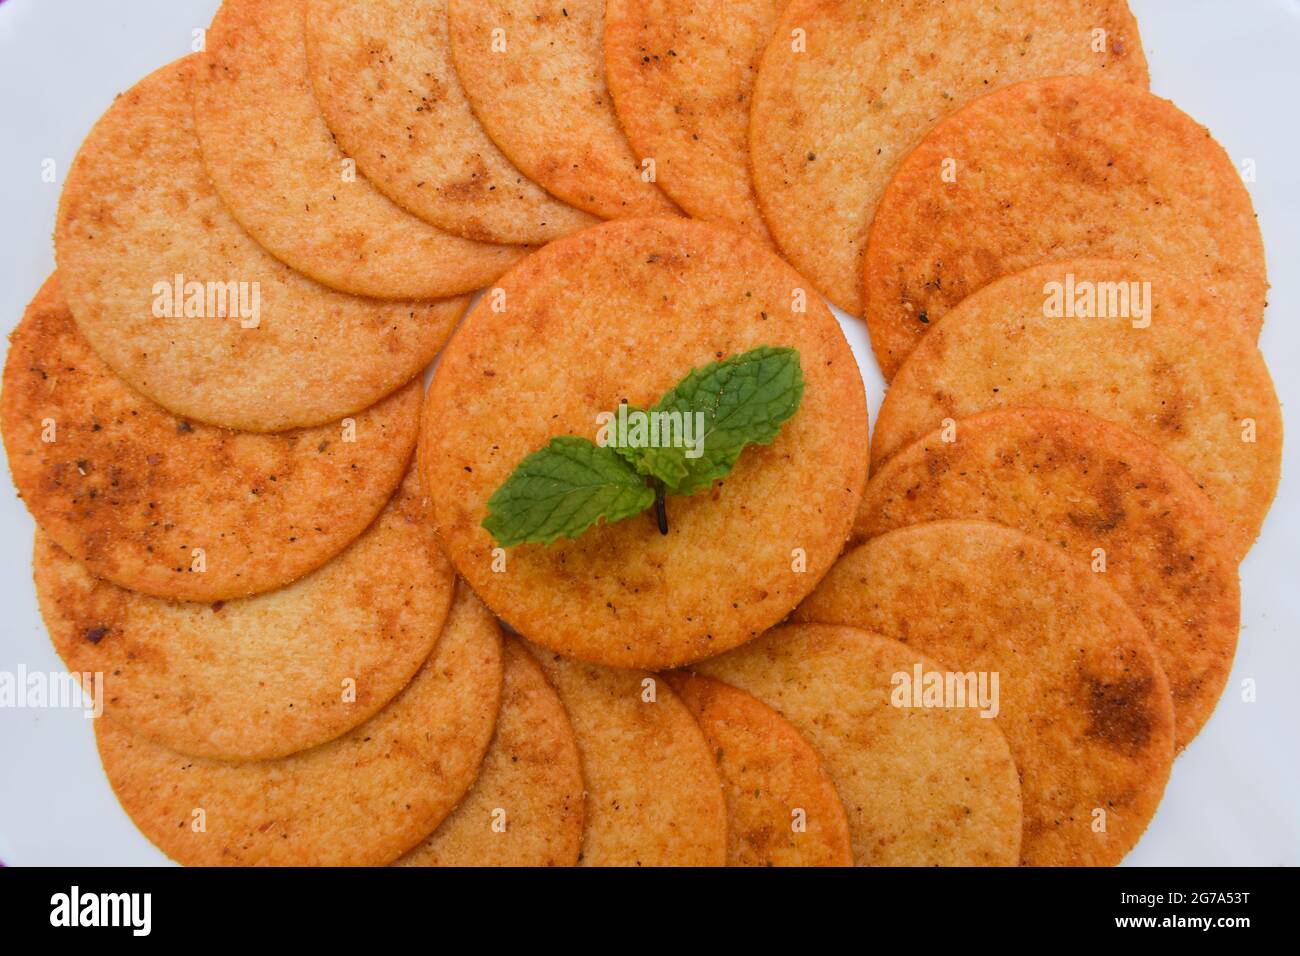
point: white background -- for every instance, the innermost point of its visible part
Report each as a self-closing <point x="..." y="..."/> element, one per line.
<point x="1234" y="797"/>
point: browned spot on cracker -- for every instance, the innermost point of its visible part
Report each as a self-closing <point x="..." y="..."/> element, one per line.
<point x="1119" y="713"/>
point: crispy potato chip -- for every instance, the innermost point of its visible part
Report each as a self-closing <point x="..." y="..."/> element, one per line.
<point x="526" y="807"/>
<point x="361" y="800"/>
<point x="1106" y="497"/>
<point x="264" y="676"/>
<point x="682" y="74"/>
<point x="1170" y="366"/>
<point x="132" y="491"/>
<point x="1045" y="647"/>
<point x="1064" y="168"/>
<point x="624" y="311"/>
<point x="845" y="89"/>
<point x="535" y="75"/>
<point x="921" y="786"/>
<point x="782" y="808"/>
<point x="654" y="797"/>
<point x="190" y="310"/>
<point x="383" y="76"/>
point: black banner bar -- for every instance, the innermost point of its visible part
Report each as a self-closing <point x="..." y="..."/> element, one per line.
<point x="332" y="906"/>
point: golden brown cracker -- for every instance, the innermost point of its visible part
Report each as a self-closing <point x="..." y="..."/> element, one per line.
<point x="1081" y="695"/>
<point x="361" y="800"/>
<point x="921" y="786"/>
<point x="139" y="217"/>
<point x="1187" y="377"/>
<point x="1061" y="168"/>
<point x="535" y="75"/>
<point x="782" y="808"/>
<point x="1083" y="484"/>
<point x="384" y="81"/>
<point x="265" y="676"/>
<point x="846" y="88"/>
<point x="526" y="807"/>
<point x="654" y="797"/>
<point x="681" y="73"/>
<point x="624" y="311"/>
<point x="131" y="490"/>
<point x="280" y="172"/>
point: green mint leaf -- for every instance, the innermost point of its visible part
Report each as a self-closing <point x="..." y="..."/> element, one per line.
<point x="629" y="436"/>
<point x="666" y="465"/>
<point x="744" y="400"/>
<point x="620" y="432"/>
<point x="562" y="490"/>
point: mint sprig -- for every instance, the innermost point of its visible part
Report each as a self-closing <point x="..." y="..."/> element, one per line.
<point x="563" y="489"/>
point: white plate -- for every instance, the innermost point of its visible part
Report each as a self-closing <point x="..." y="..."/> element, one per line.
<point x="1234" y="797"/>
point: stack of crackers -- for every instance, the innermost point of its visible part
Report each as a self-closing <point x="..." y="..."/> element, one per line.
<point x="271" y="547"/>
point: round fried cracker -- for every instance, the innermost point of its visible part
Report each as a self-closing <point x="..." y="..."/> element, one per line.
<point x="654" y="797"/>
<point x="534" y="73"/>
<point x="1082" y="484"/>
<point x="361" y="800"/>
<point x="921" y="786"/>
<point x="624" y="311"/>
<point x="131" y="490"/>
<point x="681" y="73"/>
<point x="1061" y="168"/>
<point x="526" y="808"/>
<point x="846" y="88"/>
<point x="138" y="211"/>
<point x="263" y="676"/>
<point x="281" y="174"/>
<point x="782" y="808"/>
<point x="1192" y="381"/>
<point x="1081" y="695"/>
<point x="384" y="80"/>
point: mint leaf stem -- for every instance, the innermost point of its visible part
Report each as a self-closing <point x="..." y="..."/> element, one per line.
<point x="661" y="507"/>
